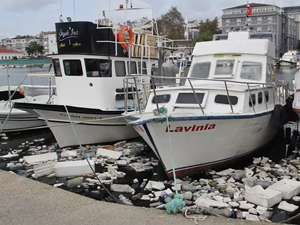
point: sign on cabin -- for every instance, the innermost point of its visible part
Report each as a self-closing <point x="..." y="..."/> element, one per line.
<point x="82" y="37"/>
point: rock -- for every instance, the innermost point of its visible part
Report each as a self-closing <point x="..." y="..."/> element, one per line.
<point x="251" y="217"/>
<point x="252" y="211"/>
<point x="246" y="206"/>
<point x="188" y="195"/>
<point x="218" y="198"/>
<point x="234" y="204"/>
<point x="239" y="174"/>
<point x="287" y="207"/>
<point x="188" y="187"/>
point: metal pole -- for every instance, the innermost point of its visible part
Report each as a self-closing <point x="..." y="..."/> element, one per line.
<point x="137" y="94"/>
<point x="228" y="97"/>
<point x="8" y="84"/>
<point x="251" y="98"/>
<point x="129" y="66"/>
<point x="196" y="97"/>
<point x="109" y="15"/>
<point x="125" y="97"/>
<point x="60" y="7"/>
<point x="155" y="96"/>
<point x="264" y="96"/>
<point x="97" y="12"/>
<point x="74" y="9"/>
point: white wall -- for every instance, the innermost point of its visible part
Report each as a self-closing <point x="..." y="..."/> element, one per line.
<point x="6" y="56"/>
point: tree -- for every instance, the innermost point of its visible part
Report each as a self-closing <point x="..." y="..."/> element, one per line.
<point x="207" y="30"/>
<point x="35" y="49"/>
<point x="171" y="24"/>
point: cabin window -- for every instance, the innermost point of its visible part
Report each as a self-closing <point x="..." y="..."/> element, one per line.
<point x="253" y="97"/>
<point x="189" y="98"/>
<point x="56" y="67"/>
<point x="223" y="99"/>
<point x="251" y="70"/>
<point x="132" y="68"/>
<point x="73" y="67"/>
<point x="161" y="99"/>
<point x="120" y="68"/>
<point x="259" y="97"/>
<point x="201" y="70"/>
<point x="267" y="96"/>
<point x="144" y="68"/>
<point x="224" y="67"/>
<point x="98" y="67"/>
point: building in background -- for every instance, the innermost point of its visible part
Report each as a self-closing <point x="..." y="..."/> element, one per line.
<point x="20" y="43"/>
<point x="49" y="42"/>
<point x="191" y="29"/>
<point x="6" y="54"/>
<point x="264" y="18"/>
<point x="293" y="12"/>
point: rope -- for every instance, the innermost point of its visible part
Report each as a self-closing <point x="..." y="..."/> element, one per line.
<point x="93" y="171"/>
<point x="196" y="219"/>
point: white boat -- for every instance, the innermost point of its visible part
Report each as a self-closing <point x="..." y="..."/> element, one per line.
<point x="296" y="85"/>
<point x="288" y="59"/>
<point x="89" y="85"/>
<point x="226" y="110"/>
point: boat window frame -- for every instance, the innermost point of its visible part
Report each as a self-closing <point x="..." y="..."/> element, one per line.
<point x="131" y="62"/>
<point x="267" y="97"/>
<point x="98" y="67"/>
<point x="115" y="66"/>
<point x="253" y="96"/>
<point x="222" y="76"/>
<point x="197" y="63"/>
<point x="226" y="102"/>
<point x="261" y="74"/>
<point x="260" y="98"/>
<point x="191" y="105"/>
<point x="159" y="98"/>
<point x="141" y="68"/>
<point x="55" y="68"/>
<point x="72" y="60"/>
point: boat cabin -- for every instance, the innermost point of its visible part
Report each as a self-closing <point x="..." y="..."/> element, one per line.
<point x="91" y="64"/>
<point x="232" y="76"/>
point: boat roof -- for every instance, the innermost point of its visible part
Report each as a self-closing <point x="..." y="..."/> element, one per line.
<point x="237" y="43"/>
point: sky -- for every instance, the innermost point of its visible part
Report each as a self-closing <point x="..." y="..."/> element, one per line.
<point x="22" y="17"/>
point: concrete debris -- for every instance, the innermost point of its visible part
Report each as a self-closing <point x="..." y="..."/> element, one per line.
<point x="287" y="207"/>
<point x="154" y="185"/>
<point x="288" y="188"/>
<point x="37" y="159"/>
<point x="74" y="168"/>
<point x="108" y="153"/>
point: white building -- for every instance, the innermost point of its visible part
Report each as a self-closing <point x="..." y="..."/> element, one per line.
<point x="50" y="44"/>
<point x="6" y="54"/>
<point x="191" y="29"/>
<point x="19" y="43"/>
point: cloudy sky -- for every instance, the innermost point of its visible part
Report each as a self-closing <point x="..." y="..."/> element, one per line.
<point x="33" y="16"/>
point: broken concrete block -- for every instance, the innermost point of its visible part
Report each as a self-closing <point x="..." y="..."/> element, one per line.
<point x="122" y="188"/>
<point x="251" y="217"/>
<point x="261" y="210"/>
<point x="44" y="169"/>
<point x="108" y="153"/>
<point x="154" y="185"/>
<point x="206" y="202"/>
<point x="246" y="206"/>
<point x="67" y="153"/>
<point x="73" y="168"/>
<point x="287" y="207"/>
<point x="234" y="204"/>
<point x="266" y="198"/>
<point x="37" y="159"/>
<point x="288" y="188"/>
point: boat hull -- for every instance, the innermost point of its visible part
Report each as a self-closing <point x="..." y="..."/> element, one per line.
<point x="201" y="144"/>
<point x="92" y="126"/>
<point x="287" y="63"/>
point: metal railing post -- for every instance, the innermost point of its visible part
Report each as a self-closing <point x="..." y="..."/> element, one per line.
<point x="251" y="98"/>
<point x="125" y="97"/>
<point x="196" y="97"/>
<point x="264" y="96"/>
<point x="154" y="92"/>
<point x="137" y="94"/>
<point x="228" y="97"/>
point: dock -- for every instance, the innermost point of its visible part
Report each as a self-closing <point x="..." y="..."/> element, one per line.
<point x="28" y="202"/>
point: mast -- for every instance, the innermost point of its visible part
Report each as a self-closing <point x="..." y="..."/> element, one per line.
<point x="247" y="15"/>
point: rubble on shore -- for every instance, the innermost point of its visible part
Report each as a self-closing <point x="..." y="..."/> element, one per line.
<point x="123" y="172"/>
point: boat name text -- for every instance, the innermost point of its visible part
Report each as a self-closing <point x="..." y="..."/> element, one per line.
<point x="81" y="117"/>
<point x="191" y="128"/>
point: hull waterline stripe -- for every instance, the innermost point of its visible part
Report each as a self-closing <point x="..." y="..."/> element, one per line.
<point x="88" y="124"/>
<point x="190" y="118"/>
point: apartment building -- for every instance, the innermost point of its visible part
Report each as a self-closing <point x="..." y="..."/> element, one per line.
<point x="49" y="42"/>
<point x="264" y="18"/>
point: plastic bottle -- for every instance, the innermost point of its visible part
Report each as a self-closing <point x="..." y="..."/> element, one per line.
<point x="124" y="200"/>
<point x="166" y="198"/>
<point x="74" y="182"/>
<point x="143" y="184"/>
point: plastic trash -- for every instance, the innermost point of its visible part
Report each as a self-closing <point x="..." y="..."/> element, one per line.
<point x="175" y="205"/>
<point x="125" y="201"/>
<point x="125" y="188"/>
<point x="287" y="207"/>
<point x="37" y="159"/>
<point x="219" y="212"/>
<point x="143" y="184"/>
<point x="239" y="174"/>
<point x="166" y="198"/>
<point x="73" y="168"/>
<point x="74" y="182"/>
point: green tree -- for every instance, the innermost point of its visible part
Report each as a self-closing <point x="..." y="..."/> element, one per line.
<point x="207" y="30"/>
<point x="171" y="24"/>
<point x="35" y="49"/>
